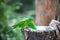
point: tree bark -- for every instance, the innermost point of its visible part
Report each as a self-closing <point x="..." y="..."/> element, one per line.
<point x="39" y="34"/>
<point x="46" y="10"/>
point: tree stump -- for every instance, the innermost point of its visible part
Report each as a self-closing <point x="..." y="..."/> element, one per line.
<point x="46" y="33"/>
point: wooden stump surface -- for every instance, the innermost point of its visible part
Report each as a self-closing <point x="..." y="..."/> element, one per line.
<point x="40" y="35"/>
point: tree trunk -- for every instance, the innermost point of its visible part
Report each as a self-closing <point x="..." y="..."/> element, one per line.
<point x="46" y="10"/>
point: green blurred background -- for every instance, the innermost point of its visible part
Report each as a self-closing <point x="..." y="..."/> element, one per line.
<point x="10" y="12"/>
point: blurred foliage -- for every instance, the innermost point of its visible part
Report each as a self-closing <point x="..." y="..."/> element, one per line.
<point x="12" y="11"/>
<point x="59" y="11"/>
<point x="1" y="1"/>
<point x="6" y="16"/>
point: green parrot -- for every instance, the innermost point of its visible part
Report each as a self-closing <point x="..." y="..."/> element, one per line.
<point x="25" y="22"/>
